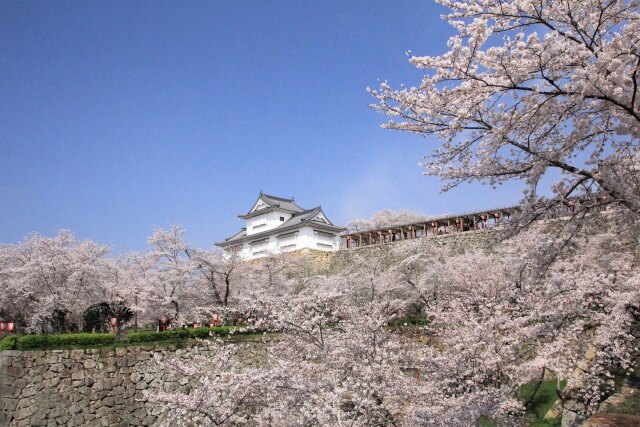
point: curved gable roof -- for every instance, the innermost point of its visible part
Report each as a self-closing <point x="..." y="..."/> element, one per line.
<point x="266" y="202"/>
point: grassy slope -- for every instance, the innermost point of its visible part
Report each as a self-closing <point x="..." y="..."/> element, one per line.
<point x="540" y="404"/>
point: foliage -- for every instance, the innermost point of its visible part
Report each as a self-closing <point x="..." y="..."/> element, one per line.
<point x="204" y="333"/>
<point x="630" y="405"/>
<point x="526" y="88"/>
<point x="31" y="342"/>
<point x="9" y="342"/>
<point x="540" y="400"/>
<point x="140" y="337"/>
<point x="409" y="320"/>
<point x="181" y="334"/>
<point x="554" y="422"/>
<point x="543" y="399"/>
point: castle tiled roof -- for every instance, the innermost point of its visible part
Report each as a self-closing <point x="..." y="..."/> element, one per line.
<point x="273" y="202"/>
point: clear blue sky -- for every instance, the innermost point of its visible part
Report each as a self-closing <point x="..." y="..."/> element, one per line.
<point x="116" y="117"/>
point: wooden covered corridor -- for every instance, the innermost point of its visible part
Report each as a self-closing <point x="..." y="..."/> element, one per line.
<point x="471" y="221"/>
<point x="429" y="228"/>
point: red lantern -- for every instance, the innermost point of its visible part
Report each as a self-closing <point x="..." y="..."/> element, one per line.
<point x="163" y="320"/>
<point x="114" y="321"/>
<point x="217" y="321"/>
<point x="10" y="327"/>
<point x="2" y="326"/>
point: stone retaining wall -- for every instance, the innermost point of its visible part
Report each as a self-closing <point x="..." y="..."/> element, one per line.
<point x="327" y="263"/>
<point x="94" y="387"/>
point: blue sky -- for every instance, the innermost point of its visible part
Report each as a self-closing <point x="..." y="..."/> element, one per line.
<point x="116" y="117"/>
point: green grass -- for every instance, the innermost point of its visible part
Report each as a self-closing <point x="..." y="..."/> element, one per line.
<point x="555" y="422"/>
<point x="9" y="342"/>
<point x="631" y="405"/>
<point x="543" y="400"/>
<point x="486" y="422"/>
<point x="408" y="321"/>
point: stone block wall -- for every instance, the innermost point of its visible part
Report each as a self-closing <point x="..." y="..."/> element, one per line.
<point x="93" y="387"/>
<point x="468" y="239"/>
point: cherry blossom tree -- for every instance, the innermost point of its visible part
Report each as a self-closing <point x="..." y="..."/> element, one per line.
<point x="50" y="282"/>
<point x="219" y="273"/>
<point x="531" y="90"/>
<point x="332" y="364"/>
<point x="171" y="290"/>
<point x="498" y="318"/>
<point x="385" y="218"/>
<point x="528" y="87"/>
<point x="226" y="392"/>
<point x="189" y="283"/>
<point x="222" y="280"/>
<point x="135" y="286"/>
<point x="504" y="318"/>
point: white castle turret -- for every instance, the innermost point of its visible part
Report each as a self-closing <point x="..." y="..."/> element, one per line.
<point x="277" y="225"/>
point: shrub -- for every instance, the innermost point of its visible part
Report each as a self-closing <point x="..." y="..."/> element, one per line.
<point x="8" y="342"/>
<point x="220" y="331"/>
<point x="85" y="339"/>
<point x="409" y="320"/>
<point x="33" y="341"/>
<point x="27" y="342"/>
<point x="181" y="334"/>
<point x="137" y="337"/>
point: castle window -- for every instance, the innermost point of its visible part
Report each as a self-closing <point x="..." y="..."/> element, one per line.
<point x="281" y="219"/>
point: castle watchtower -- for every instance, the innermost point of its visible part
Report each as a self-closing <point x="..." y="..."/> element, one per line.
<point x="277" y="225"/>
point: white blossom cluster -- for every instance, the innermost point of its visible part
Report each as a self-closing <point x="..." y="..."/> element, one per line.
<point x="528" y="87"/>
